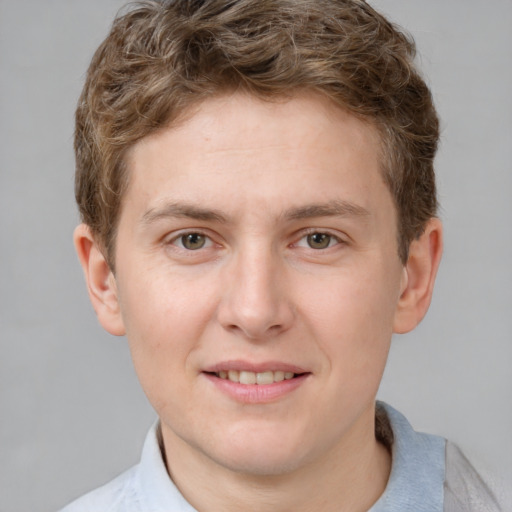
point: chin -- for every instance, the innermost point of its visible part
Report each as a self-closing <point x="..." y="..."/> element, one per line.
<point x="259" y="457"/>
<point x="261" y="464"/>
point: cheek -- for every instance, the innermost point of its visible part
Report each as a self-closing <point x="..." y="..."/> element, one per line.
<point x="165" y="319"/>
<point x="352" y="317"/>
<point x="160" y="309"/>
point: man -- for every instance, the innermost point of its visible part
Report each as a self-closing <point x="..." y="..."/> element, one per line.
<point x="256" y="186"/>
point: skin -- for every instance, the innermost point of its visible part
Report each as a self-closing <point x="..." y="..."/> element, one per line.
<point x="261" y="182"/>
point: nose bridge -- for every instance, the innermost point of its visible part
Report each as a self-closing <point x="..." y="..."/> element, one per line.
<point x="254" y="301"/>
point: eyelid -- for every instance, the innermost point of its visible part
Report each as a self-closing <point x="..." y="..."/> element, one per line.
<point x="176" y="236"/>
<point x="303" y="234"/>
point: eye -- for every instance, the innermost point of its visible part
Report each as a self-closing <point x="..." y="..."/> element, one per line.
<point x="318" y="240"/>
<point x="193" y="241"/>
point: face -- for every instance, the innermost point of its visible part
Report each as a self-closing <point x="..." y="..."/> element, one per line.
<point x="258" y="277"/>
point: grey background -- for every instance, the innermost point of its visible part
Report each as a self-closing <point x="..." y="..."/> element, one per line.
<point x="72" y="413"/>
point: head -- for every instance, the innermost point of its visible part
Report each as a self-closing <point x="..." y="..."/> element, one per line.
<point x="256" y="185"/>
<point x="161" y="60"/>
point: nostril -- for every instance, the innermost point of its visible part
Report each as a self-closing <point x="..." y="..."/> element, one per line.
<point x="254" y="331"/>
<point x="254" y="316"/>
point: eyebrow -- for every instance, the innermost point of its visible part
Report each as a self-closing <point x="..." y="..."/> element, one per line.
<point x="336" y="208"/>
<point x="182" y="210"/>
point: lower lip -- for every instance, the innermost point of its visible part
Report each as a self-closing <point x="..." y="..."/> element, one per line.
<point x="256" y="393"/>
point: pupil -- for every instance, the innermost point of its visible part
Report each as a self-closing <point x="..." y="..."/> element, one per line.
<point x="193" y="241"/>
<point x="319" y="240"/>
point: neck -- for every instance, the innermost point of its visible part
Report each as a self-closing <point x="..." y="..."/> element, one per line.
<point x="349" y="477"/>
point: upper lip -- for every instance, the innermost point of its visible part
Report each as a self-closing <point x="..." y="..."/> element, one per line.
<point x="267" y="366"/>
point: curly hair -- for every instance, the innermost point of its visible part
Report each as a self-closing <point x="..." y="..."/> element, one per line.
<point x="163" y="57"/>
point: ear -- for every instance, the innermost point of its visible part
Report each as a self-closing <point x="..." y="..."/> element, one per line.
<point x="101" y="283"/>
<point x="419" y="277"/>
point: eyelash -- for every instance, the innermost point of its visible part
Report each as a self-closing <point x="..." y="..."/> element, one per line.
<point x="308" y="233"/>
<point x="178" y="240"/>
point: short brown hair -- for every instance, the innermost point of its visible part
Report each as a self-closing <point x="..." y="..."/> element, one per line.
<point x="162" y="57"/>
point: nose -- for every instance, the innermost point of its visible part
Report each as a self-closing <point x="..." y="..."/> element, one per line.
<point x="255" y="301"/>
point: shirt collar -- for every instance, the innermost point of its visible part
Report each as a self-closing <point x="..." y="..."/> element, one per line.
<point x="415" y="483"/>
<point x="155" y="489"/>
<point x="417" y="474"/>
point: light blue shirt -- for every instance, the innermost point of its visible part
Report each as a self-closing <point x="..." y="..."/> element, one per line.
<point x="427" y="475"/>
<point x="416" y="482"/>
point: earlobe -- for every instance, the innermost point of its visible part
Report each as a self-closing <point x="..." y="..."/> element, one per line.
<point x="419" y="276"/>
<point x="100" y="281"/>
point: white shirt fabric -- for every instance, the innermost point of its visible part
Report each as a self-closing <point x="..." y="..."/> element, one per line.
<point x="428" y="474"/>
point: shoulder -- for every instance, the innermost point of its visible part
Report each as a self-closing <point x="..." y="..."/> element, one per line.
<point x="464" y="488"/>
<point x="112" y="497"/>
<point x="146" y="486"/>
<point x="430" y="473"/>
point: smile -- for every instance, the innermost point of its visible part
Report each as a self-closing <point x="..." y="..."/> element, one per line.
<point x="260" y="378"/>
<point x="256" y="383"/>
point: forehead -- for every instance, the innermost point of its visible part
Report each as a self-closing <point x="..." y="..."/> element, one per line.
<point x="287" y="151"/>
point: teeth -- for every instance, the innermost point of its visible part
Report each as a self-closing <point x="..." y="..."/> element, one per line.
<point x="265" y="378"/>
<point x="247" y="378"/>
<point x="261" y="378"/>
<point x="279" y="376"/>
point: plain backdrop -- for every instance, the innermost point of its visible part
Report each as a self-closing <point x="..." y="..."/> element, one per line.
<point x="72" y="414"/>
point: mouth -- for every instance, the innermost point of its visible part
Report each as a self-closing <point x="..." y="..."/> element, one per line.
<point x="259" y="378"/>
<point x="256" y="383"/>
